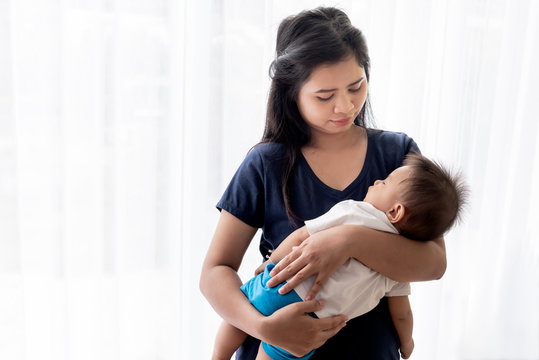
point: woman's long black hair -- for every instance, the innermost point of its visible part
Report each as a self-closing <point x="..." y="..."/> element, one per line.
<point x="309" y="39"/>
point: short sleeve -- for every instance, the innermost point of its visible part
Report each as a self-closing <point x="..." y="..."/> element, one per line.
<point x="396" y="147"/>
<point x="412" y="147"/>
<point x="387" y="151"/>
<point x="400" y="289"/>
<point x="244" y="196"/>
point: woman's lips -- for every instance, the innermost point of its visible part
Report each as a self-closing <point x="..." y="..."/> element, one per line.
<point x="341" y="122"/>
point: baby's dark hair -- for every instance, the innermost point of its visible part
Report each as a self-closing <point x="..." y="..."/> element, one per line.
<point x="434" y="198"/>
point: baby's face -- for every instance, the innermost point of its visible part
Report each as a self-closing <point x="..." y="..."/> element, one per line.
<point x="385" y="193"/>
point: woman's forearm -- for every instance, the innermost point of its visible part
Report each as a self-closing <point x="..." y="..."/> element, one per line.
<point x="395" y="256"/>
<point x="222" y="281"/>
<point x="219" y="280"/>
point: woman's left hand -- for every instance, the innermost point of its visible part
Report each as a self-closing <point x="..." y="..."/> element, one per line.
<point x="321" y="255"/>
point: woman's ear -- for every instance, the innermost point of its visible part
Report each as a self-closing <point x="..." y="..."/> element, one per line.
<point x="396" y="213"/>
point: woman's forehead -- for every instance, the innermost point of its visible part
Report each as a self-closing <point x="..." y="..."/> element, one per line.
<point x="336" y="75"/>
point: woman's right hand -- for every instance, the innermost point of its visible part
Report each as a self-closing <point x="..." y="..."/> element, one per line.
<point x="292" y="329"/>
<point x="320" y="255"/>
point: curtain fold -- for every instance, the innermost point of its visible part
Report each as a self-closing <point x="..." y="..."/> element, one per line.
<point x="121" y="123"/>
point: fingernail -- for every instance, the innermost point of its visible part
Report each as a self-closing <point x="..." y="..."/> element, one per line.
<point x="308" y="297"/>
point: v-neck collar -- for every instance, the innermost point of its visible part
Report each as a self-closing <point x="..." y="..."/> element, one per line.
<point x="335" y="192"/>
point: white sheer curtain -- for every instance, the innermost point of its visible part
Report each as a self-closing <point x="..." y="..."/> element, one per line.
<point x="90" y="154"/>
<point x="121" y="122"/>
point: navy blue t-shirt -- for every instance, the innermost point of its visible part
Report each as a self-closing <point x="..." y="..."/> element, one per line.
<point x="254" y="196"/>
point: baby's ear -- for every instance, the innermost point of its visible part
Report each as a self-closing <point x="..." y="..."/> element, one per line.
<point x="396" y="213"/>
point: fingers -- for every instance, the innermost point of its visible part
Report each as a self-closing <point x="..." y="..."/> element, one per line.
<point x="302" y="271"/>
<point x="296" y="279"/>
<point x="288" y="259"/>
<point x="309" y="333"/>
<point x="286" y="269"/>
<point x="333" y="324"/>
<point x="317" y="285"/>
<point x="311" y="306"/>
<point x="329" y="333"/>
<point x="260" y="268"/>
<point x="327" y="327"/>
<point x="325" y="324"/>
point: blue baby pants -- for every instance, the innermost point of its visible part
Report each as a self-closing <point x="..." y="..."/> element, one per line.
<point x="268" y="300"/>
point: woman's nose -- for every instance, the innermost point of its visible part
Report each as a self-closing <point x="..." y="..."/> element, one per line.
<point x="343" y="104"/>
<point x="377" y="182"/>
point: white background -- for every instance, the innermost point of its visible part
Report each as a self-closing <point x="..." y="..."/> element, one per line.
<point x="122" y="121"/>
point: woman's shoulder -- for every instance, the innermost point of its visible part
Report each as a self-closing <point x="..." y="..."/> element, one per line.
<point x="267" y="152"/>
<point x="387" y="149"/>
<point x="388" y="137"/>
<point x="268" y="148"/>
<point x="387" y="140"/>
<point x="262" y="158"/>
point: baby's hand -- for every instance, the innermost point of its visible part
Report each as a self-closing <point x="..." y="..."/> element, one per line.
<point x="406" y="349"/>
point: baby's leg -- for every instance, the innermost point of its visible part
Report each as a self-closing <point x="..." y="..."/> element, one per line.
<point x="227" y="341"/>
<point x="262" y="354"/>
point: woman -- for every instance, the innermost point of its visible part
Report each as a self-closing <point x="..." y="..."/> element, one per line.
<point x="316" y="151"/>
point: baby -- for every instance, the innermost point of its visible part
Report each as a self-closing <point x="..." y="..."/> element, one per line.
<point x="420" y="200"/>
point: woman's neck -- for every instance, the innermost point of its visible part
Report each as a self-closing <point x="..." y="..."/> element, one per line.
<point x="337" y="159"/>
<point x="336" y="142"/>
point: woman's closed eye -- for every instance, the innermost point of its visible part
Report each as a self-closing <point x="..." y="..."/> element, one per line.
<point x="356" y="89"/>
<point x="325" y="98"/>
<point x="332" y="95"/>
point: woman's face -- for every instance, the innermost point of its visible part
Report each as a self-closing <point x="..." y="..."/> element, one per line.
<point x="333" y="96"/>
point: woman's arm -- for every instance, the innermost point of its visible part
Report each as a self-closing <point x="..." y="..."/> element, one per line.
<point x="219" y="271"/>
<point x="395" y="256"/>
<point x="290" y="327"/>
<point x="392" y="255"/>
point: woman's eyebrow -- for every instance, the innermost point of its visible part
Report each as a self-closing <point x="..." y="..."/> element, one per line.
<point x="331" y="90"/>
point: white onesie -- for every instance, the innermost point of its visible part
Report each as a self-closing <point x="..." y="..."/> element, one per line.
<point x="353" y="289"/>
